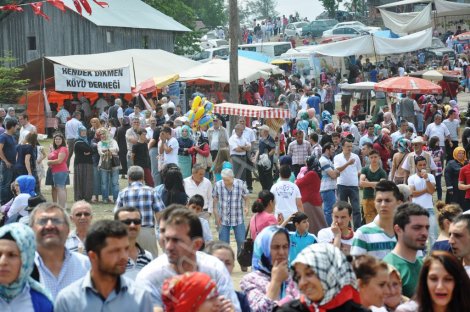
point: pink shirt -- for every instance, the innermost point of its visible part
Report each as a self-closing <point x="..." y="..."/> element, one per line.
<point x="259" y="221"/>
<point x="62" y="167"/>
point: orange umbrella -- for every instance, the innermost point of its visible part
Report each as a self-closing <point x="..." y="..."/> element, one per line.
<point x="408" y="84"/>
<point x="463" y="36"/>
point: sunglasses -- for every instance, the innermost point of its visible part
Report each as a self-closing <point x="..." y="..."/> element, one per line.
<point x="54" y="221"/>
<point x="82" y="214"/>
<point x="130" y="221"/>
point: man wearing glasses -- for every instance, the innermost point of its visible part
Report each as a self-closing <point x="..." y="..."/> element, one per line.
<point x="138" y="257"/>
<point x="81" y="216"/>
<point x="58" y="267"/>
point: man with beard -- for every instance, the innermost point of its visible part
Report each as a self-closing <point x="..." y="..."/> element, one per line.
<point x="81" y="217"/>
<point x="411" y="226"/>
<point x="58" y="267"/>
<point x="138" y="257"/>
<point x="182" y="237"/>
<point x="104" y="288"/>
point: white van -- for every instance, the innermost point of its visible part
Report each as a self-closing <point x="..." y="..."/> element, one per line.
<point x="209" y="54"/>
<point x="271" y="49"/>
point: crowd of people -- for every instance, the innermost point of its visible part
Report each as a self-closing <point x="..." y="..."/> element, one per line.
<point x="346" y="217"/>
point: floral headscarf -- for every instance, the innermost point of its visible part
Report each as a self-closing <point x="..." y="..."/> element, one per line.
<point x="187" y="292"/>
<point x="27" y="184"/>
<point x="23" y="236"/>
<point x="335" y="273"/>
<point x="455" y="153"/>
<point x="404" y="145"/>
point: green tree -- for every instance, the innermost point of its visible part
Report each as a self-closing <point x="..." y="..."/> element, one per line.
<point x="210" y="12"/>
<point x="331" y="6"/>
<point x="263" y="8"/>
<point x="11" y="87"/>
<point x="177" y="9"/>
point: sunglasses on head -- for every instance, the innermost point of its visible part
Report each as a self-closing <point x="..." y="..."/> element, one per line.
<point x="82" y="214"/>
<point x="130" y="221"/>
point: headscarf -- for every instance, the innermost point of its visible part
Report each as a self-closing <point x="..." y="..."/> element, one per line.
<point x="107" y="139"/>
<point x="334" y="272"/>
<point x="185" y="127"/>
<point x="326" y="115"/>
<point x="453" y="103"/>
<point x="456" y="151"/>
<point x="187" y="292"/>
<point x="262" y="248"/>
<point x="383" y="139"/>
<point x="24" y="239"/>
<point x="27" y="184"/>
<point x="377" y="129"/>
<point x="403" y="145"/>
<point x="82" y="138"/>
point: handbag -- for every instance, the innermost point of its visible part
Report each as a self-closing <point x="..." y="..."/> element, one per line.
<point x="245" y="255"/>
<point x="206" y="162"/>
<point x="115" y="161"/>
<point x="106" y="163"/>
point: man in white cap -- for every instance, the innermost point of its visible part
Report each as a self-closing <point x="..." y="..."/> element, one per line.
<point x="409" y="163"/>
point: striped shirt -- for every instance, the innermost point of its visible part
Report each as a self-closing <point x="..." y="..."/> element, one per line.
<point x="144" y="257"/>
<point x="299" y="152"/>
<point x="372" y="239"/>
<point x="231" y="201"/>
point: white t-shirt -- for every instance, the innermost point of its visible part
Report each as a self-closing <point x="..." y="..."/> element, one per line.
<point x="326" y="236"/>
<point x="171" y="157"/>
<point x="236" y="141"/>
<point x="419" y="184"/>
<point x="440" y="131"/>
<point x="286" y="194"/>
<point x="350" y="175"/>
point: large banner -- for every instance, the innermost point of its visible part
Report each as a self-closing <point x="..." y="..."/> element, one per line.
<point x="117" y="80"/>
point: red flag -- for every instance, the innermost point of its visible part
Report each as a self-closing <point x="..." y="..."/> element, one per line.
<point x="58" y="4"/>
<point x="37" y="9"/>
<point x="86" y="6"/>
<point x="101" y="3"/>
<point x="77" y="6"/>
<point x="11" y="7"/>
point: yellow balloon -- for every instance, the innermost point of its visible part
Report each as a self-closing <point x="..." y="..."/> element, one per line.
<point x="196" y="103"/>
<point x="199" y="113"/>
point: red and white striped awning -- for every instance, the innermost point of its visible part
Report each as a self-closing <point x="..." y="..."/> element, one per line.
<point x="250" y="111"/>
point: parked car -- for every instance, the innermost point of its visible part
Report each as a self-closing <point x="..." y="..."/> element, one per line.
<point x="437" y="50"/>
<point x="213" y="43"/>
<point x="316" y="28"/>
<point x="209" y="54"/>
<point x="345" y="32"/>
<point x="295" y="29"/>
<point x="354" y="24"/>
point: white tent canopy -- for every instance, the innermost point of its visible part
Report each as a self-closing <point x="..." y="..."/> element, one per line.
<point x="147" y="63"/>
<point x="218" y="70"/>
<point x="406" y="23"/>
<point x="443" y="7"/>
<point x="404" y="2"/>
<point x="371" y="44"/>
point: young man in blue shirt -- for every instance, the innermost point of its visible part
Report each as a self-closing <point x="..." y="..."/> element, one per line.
<point x="301" y="238"/>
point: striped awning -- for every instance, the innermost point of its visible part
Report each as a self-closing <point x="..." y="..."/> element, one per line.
<point x="250" y="111"/>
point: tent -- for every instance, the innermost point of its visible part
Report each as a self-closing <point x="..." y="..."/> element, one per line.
<point x="371" y="44"/>
<point x="250" y="111"/>
<point x="443" y="7"/>
<point x="406" y="23"/>
<point x="218" y="70"/>
<point x="256" y="56"/>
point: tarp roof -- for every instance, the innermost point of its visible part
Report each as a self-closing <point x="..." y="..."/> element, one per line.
<point x="218" y="70"/>
<point x="443" y="7"/>
<point x="371" y="44"/>
<point x="148" y="63"/>
<point x="129" y="14"/>
<point x="404" y="2"/>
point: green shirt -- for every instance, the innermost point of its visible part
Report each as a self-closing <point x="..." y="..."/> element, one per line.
<point x="409" y="272"/>
<point x="369" y="192"/>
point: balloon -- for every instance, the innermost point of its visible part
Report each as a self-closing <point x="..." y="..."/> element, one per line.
<point x="206" y="120"/>
<point x="199" y="113"/>
<point x="209" y="107"/>
<point x="191" y="116"/>
<point x="196" y="103"/>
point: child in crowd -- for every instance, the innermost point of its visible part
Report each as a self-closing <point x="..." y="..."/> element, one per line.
<point x="301" y="238"/>
<point x="140" y="156"/>
<point x="196" y="203"/>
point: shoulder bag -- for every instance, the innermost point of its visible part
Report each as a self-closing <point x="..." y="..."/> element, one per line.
<point x="245" y="255"/>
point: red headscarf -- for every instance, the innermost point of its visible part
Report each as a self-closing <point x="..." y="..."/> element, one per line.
<point x="187" y="292"/>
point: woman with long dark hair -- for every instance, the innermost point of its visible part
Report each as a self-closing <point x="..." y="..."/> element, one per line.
<point x="173" y="191"/>
<point x="57" y="161"/>
<point x="263" y="209"/>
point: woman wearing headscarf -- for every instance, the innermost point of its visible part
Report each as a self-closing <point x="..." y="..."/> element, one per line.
<point x="326" y="280"/>
<point x="382" y="144"/>
<point x="397" y="174"/>
<point x="451" y="174"/>
<point x="18" y="291"/>
<point x="309" y="186"/>
<point x="24" y="187"/>
<point x="94" y="138"/>
<point x="269" y="285"/>
<point x="185" y="143"/>
<point x="83" y="167"/>
<point x="107" y="148"/>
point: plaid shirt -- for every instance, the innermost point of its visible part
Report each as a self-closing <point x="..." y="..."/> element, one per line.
<point x="299" y="153"/>
<point x="141" y="197"/>
<point x="231" y="202"/>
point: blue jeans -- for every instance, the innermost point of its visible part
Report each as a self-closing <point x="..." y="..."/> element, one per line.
<point x="96" y="181"/>
<point x="351" y="194"/>
<point x="239" y="230"/>
<point x="105" y="178"/>
<point x="6" y="177"/>
<point x="329" y="200"/>
<point x="153" y="152"/>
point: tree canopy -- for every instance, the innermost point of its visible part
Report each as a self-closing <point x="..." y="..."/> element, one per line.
<point x="331" y="6"/>
<point x="11" y="87"/>
<point x="263" y="8"/>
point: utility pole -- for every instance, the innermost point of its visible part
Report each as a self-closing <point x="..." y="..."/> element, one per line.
<point x="233" y="35"/>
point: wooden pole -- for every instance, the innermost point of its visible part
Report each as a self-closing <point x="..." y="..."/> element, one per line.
<point x="233" y="35"/>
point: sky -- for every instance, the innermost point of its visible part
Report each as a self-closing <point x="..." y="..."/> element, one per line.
<point x="306" y="8"/>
